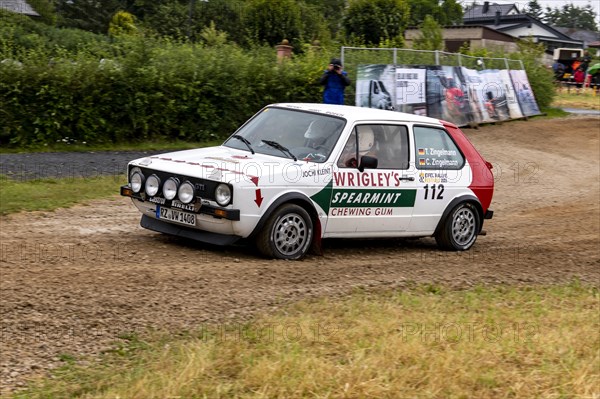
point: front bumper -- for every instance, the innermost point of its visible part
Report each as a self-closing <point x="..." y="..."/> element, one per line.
<point x="187" y="232"/>
<point x="217" y="212"/>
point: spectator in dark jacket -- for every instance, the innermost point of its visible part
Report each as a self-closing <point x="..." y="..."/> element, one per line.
<point x="335" y="80"/>
<point x="585" y="60"/>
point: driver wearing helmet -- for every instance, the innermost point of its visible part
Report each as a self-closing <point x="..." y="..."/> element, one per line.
<point x="366" y="146"/>
<point x="319" y="137"/>
<point x="317" y="134"/>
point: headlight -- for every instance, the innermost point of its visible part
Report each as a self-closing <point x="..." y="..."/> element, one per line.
<point x="186" y="192"/>
<point x="137" y="181"/>
<point x="152" y="185"/>
<point x="170" y="188"/>
<point x="223" y="194"/>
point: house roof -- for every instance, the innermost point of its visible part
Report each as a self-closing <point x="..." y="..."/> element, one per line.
<point x="579" y="34"/>
<point x="507" y="22"/>
<point x="489" y="10"/>
<point x="18" y="6"/>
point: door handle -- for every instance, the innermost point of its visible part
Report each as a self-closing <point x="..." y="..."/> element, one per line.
<point x="407" y="178"/>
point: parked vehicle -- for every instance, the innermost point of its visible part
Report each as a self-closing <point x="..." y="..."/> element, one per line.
<point x="295" y="174"/>
<point x="569" y="59"/>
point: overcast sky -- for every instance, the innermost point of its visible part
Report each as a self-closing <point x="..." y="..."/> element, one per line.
<point x="521" y="4"/>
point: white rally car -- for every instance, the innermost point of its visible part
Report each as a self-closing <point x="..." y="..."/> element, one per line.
<point x="297" y="173"/>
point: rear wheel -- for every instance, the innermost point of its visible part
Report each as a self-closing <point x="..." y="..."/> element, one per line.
<point x="460" y="229"/>
<point x="287" y="234"/>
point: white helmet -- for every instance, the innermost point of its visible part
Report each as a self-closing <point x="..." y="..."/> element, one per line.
<point x="319" y="131"/>
<point x="366" y="139"/>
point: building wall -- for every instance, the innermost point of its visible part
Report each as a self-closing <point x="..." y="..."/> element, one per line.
<point x="492" y="45"/>
<point x="477" y="37"/>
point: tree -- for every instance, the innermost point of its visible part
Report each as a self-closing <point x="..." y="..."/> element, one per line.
<point x="122" y="23"/>
<point x="332" y="12"/>
<point x="271" y="21"/>
<point x="46" y="10"/>
<point x="226" y="15"/>
<point x="534" y="9"/>
<point x="212" y="37"/>
<point x="167" y="18"/>
<point x="313" y="23"/>
<point x="571" y="16"/>
<point x="447" y="12"/>
<point x="376" y="20"/>
<point x="90" y="15"/>
<point x="431" y="36"/>
<point x="452" y="13"/>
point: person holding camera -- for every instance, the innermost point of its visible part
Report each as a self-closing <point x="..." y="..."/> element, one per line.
<point x="335" y="80"/>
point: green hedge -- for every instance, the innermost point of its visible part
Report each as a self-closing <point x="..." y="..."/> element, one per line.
<point x="149" y="89"/>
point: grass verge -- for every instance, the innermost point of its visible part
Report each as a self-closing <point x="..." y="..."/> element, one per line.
<point x="49" y="194"/>
<point x="552" y="112"/>
<point x="502" y="342"/>
<point x="570" y="99"/>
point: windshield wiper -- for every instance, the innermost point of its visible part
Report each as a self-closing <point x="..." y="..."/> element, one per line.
<point x="281" y="148"/>
<point x="243" y="140"/>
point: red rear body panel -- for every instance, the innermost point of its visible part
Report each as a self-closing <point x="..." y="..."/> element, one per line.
<point x="483" y="179"/>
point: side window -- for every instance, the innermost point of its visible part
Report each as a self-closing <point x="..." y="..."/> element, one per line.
<point x="435" y="149"/>
<point x="387" y="143"/>
<point x="375" y="88"/>
<point x="393" y="147"/>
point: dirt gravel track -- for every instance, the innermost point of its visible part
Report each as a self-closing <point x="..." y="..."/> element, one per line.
<point x="73" y="280"/>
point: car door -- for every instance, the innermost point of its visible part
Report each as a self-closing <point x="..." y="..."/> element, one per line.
<point x="441" y="175"/>
<point x="373" y="201"/>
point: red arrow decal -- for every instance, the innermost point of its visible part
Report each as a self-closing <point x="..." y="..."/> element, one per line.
<point x="259" y="198"/>
<point x="254" y="180"/>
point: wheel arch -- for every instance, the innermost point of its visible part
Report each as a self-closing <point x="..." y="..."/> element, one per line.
<point x="458" y="200"/>
<point x="292" y="198"/>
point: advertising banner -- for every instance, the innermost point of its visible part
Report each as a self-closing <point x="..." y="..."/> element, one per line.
<point x="446" y="98"/>
<point x="375" y="86"/>
<point x="525" y="95"/>
<point x="493" y="93"/>
<point x="456" y="94"/>
<point x="475" y="96"/>
<point x="410" y="90"/>
<point x="514" y="110"/>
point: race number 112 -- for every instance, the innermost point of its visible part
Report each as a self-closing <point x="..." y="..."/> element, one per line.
<point x="436" y="192"/>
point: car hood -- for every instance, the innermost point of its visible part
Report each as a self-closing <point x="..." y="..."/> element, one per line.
<point x="217" y="163"/>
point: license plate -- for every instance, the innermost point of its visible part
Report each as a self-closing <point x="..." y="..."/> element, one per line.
<point x="174" y="215"/>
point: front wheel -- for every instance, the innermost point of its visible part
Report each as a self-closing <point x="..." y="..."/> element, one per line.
<point x="287" y="234"/>
<point x="460" y="229"/>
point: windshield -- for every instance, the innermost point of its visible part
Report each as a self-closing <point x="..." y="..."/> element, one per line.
<point x="289" y="134"/>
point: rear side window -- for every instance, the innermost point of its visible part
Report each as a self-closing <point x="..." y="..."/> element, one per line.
<point x="435" y="149"/>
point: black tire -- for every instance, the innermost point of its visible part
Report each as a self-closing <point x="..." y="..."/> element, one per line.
<point x="460" y="229"/>
<point x="287" y="234"/>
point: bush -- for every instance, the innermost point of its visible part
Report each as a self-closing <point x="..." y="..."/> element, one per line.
<point x="144" y="89"/>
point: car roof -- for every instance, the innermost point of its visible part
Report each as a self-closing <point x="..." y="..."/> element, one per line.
<point x="356" y="114"/>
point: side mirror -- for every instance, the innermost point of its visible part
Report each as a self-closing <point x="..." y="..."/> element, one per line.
<point x="367" y="162"/>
